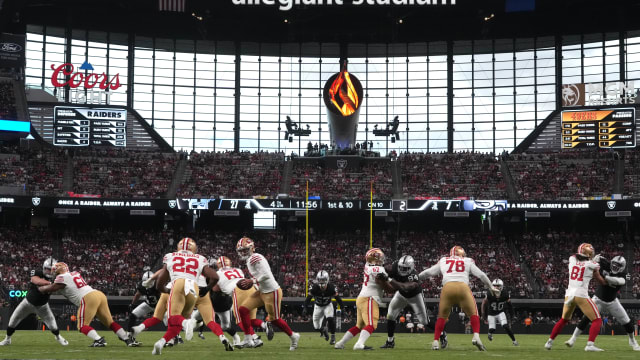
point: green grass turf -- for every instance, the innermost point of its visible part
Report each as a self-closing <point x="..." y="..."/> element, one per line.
<point x="42" y="345"/>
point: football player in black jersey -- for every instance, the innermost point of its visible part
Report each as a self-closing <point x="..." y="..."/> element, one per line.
<point x="323" y="291"/>
<point x="606" y="298"/>
<point x="151" y="296"/>
<point x="222" y="305"/>
<point x="493" y="308"/>
<point x="35" y="303"/>
<point x="403" y="271"/>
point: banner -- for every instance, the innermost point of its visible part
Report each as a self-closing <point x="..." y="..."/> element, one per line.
<point x="12" y="50"/>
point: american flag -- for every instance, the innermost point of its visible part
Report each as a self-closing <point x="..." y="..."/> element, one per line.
<point x="171" y="5"/>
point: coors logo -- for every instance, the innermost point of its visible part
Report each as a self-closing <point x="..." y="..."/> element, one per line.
<point x="89" y="81"/>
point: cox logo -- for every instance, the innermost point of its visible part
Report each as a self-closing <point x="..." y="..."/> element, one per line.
<point x="636" y="204"/>
<point x="17" y="293"/>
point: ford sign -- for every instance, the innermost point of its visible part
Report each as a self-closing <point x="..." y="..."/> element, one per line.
<point x="10" y="47"/>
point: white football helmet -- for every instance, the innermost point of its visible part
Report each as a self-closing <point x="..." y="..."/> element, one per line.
<point x="586" y="250"/>
<point x="374" y="256"/>
<point x="187" y="244"/>
<point x="457" y="251"/>
<point x="322" y="278"/>
<point x="48" y="265"/>
<point x="406" y="264"/>
<point x="245" y="248"/>
<point x="498" y="284"/>
<point x="223" y="262"/>
<point x="618" y="264"/>
<point x="145" y="278"/>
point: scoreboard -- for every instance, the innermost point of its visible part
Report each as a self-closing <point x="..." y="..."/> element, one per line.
<point x="606" y="128"/>
<point x="403" y="205"/>
<point x="84" y="126"/>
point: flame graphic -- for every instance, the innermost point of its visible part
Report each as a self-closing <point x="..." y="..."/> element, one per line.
<point x="343" y="94"/>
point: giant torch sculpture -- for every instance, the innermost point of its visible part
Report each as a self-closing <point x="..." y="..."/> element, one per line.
<point x="343" y="97"/>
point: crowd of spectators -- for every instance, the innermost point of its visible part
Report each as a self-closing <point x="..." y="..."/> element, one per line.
<point x="112" y="261"/>
<point x="122" y="173"/>
<point x="126" y="173"/>
<point x="7" y="101"/>
<point x="32" y="171"/>
<point x="22" y="251"/>
<point x="232" y="174"/>
<point x="632" y="174"/>
<point x="342" y="183"/>
<point x="489" y="251"/>
<point x="45" y="171"/>
<point x="344" y="270"/>
<point x="634" y="267"/>
<point x="449" y="176"/>
<point x="547" y="255"/>
<point x="562" y="175"/>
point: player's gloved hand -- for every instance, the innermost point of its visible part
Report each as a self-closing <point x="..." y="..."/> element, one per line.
<point x="494" y="291"/>
<point x="382" y="277"/>
<point x="597" y="258"/>
<point x="203" y="292"/>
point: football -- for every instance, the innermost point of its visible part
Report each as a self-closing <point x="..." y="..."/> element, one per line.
<point x="245" y="284"/>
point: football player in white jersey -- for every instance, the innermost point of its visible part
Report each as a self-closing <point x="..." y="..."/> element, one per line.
<point x="182" y="268"/>
<point x="221" y="295"/>
<point x="606" y="299"/>
<point x="204" y="308"/>
<point x="90" y="302"/>
<point x="159" y="312"/>
<point x="269" y="294"/>
<point x="228" y="285"/>
<point x="455" y="270"/>
<point x="368" y="301"/>
<point x="582" y="268"/>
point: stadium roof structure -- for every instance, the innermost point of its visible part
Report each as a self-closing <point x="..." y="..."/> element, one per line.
<point x="348" y="23"/>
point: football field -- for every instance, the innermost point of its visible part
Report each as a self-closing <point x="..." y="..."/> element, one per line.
<point x="41" y="345"/>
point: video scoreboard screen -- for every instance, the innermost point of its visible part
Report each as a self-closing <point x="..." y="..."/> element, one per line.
<point x="347" y="205"/>
<point x="606" y="129"/>
<point x="83" y="126"/>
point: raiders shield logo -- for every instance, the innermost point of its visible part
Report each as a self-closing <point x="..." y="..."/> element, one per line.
<point x="35" y="201"/>
<point x="611" y="204"/>
<point x="172" y="204"/>
<point x="342" y="164"/>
